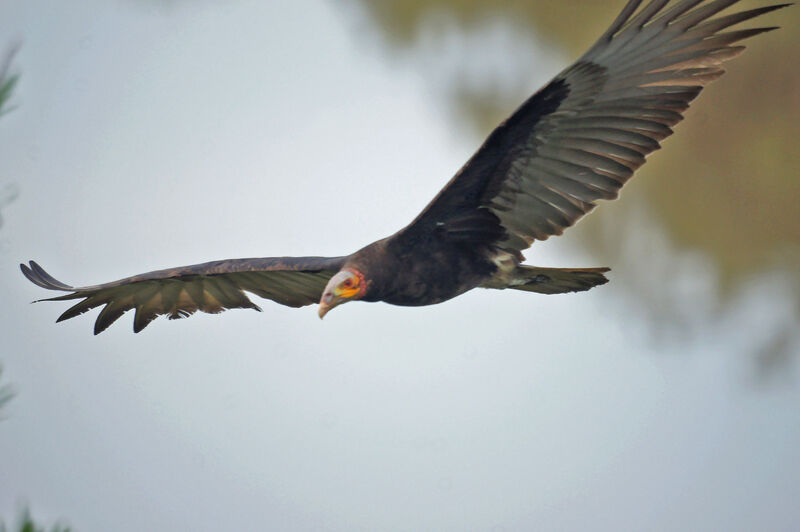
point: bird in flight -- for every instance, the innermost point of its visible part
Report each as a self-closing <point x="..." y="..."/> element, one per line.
<point x="574" y="142"/>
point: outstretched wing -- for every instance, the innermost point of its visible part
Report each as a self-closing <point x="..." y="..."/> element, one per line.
<point x="581" y="137"/>
<point x="209" y="287"/>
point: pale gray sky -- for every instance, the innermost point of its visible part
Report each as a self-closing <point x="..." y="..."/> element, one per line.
<point x="150" y="136"/>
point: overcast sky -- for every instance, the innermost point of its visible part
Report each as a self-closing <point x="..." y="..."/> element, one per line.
<point x="148" y="136"/>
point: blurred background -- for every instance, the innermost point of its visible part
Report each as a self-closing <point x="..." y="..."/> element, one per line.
<point x="146" y="134"/>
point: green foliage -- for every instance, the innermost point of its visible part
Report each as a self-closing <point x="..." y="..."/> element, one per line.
<point x="5" y="91"/>
<point x="26" y="524"/>
<point x="6" y="393"/>
<point x="7" y="81"/>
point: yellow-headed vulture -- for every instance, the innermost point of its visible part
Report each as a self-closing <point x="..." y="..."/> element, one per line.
<point x="576" y="141"/>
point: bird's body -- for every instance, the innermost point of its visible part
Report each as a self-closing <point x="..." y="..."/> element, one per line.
<point x="401" y="273"/>
<point x="576" y="141"/>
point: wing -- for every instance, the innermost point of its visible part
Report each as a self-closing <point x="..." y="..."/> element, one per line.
<point x="582" y="136"/>
<point x="209" y="287"/>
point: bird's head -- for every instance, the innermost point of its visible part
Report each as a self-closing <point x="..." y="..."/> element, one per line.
<point x="347" y="285"/>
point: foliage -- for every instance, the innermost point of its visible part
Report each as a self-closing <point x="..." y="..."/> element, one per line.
<point x="26" y="524"/>
<point x="6" y="393"/>
<point x="7" y="81"/>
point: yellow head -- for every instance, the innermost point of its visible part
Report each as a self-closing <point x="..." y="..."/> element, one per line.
<point x="347" y="285"/>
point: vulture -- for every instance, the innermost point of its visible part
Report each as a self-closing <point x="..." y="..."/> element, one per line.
<point x="574" y="142"/>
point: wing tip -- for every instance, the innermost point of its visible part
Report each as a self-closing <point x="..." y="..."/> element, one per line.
<point x="38" y="276"/>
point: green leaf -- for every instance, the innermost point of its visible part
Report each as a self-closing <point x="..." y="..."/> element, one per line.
<point x="6" y="393"/>
<point x="7" y="81"/>
<point x="25" y="523"/>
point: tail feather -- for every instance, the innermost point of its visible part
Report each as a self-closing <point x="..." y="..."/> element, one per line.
<point x="557" y="280"/>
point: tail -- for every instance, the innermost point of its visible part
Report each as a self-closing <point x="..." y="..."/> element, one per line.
<point x="556" y="280"/>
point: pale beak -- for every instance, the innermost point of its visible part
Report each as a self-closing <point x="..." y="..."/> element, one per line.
<point x="323" y="309"/>
<point x="325" y="304"/>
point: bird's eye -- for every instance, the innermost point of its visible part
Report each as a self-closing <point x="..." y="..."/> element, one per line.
<point x="348" y="283"/>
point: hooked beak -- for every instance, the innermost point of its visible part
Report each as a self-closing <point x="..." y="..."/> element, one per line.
<point x="326" y="303"/>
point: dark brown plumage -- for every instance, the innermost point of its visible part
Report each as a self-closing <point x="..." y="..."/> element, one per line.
<point x="576" y="141"/>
